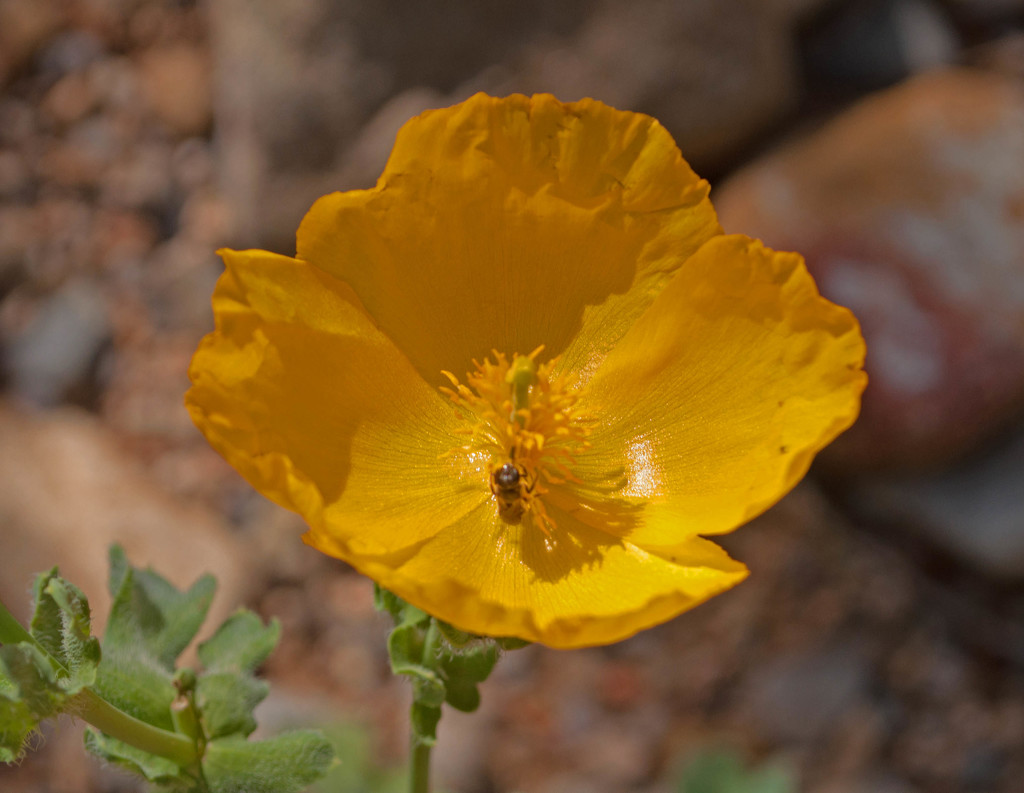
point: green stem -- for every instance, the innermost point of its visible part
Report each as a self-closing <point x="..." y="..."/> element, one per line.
<point x="177" y="748"/>
<point x="419" y="762"/>
<point x="419" y="771"/>
<point x="101" y="714"/>
<point x="431" y="645"/>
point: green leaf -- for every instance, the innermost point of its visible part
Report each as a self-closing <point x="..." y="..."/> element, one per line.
<point x="462" y="696"/>
<point x="16" y="725"/>
<point x="149" y="609"/>
<point x="463" y="670"/>
<point x="79" y="652"/>
<point x="512" y="643"/>
<point x="427" y="688"/>
<point x="37" y="678"/>
<point x="61" y="625"/>
<point x="285" y="764"/>
<point x="454" y="636"/>
<point x="401" y="612"/>
<point x="131" y="681"/>
<point x="413" y="616"/>
<point x="149" y="766"/>
<point x="775" y="779"/>
<point x="424" y="722"/>
<point x="150" y="623"/>
<point x="47" y="625"/>
<point x="385" y="600"/>
<point x="405" y="649"/>
<point x="227" y="692"/>
<point x="241" y="644"/>
<point x="7" y="687"/>
<point x="33" y="676"/>
<point x="226" y="701"/>
<point x="723" y="771"/>
<point x="474" y="663"/>
<point x="30" y="693"/>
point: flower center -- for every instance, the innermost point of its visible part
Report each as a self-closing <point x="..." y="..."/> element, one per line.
<point x="526" y="422"/>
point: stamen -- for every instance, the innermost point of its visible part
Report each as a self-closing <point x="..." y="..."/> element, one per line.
<point x="526" y="422"/>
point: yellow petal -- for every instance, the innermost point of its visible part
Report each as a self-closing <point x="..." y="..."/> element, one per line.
<point x="321" y="413"/>
<point x="713" y="405"/>
<point x="584" y="588"/>
<point x="510" y="223"/>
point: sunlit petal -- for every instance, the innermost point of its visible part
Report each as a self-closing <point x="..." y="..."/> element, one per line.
<point x="511" y="223"/>
<point x="714" y="404"/>
<point x="320" y="412"/>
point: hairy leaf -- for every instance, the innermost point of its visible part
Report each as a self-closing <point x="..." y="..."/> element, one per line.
<point x="149" y="611"/>
<point x="285" y="764"/>
<point x="241" y="644"/>
<point x="30" y="692"/>
<point x="226" y="701"/>
<point x="149" y="766"/>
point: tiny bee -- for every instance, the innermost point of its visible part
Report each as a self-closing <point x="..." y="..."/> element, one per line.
<point x="505" y="485"/>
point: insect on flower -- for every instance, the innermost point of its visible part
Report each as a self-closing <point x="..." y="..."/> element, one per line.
<point x="505" y="484"/>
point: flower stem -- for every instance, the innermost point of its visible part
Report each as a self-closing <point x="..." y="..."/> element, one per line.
<point x="95" y="710"/>
<point x="419" y="762"/>
<point x="419" y="772"/>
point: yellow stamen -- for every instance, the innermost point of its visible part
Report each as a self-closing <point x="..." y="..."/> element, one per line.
<point x="520" y="415"/>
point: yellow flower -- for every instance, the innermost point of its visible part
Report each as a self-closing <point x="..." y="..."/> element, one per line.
<point x="518" y="380"/>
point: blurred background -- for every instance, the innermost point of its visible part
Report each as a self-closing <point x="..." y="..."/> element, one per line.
<point x="878" y="646"/>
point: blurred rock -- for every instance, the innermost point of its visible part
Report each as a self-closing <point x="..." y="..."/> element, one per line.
<point x="148" y="380"/>
<point x="620" y="759"/>
<point x="83" y="156"/>
<point x="55" y="353"/>
<point x="70" y="51"/>
<point x="863" y="46"/>
<point x="116" y="82"/>
<point x="70" y="99"/>
<point x="927" y="35"/>
<point x="910" y="210"/>
<point x="121" y="239"/>
<point x="17" y="122"/>
<point x="24" y="25"/>
<point x="988" y="10"/>
<point x="67" y="492"/>
<point x="975" y="510"/>
<point x="803" y="697"/>
<point x="193" y="164"/>
<point x="177" y="82"/>
<point x="206" y="219"/>
<point x="141" y="177"/>
<point x="17" y="236"/>
<point x="1005" y="55"/>
<point x="60" y="244"/>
